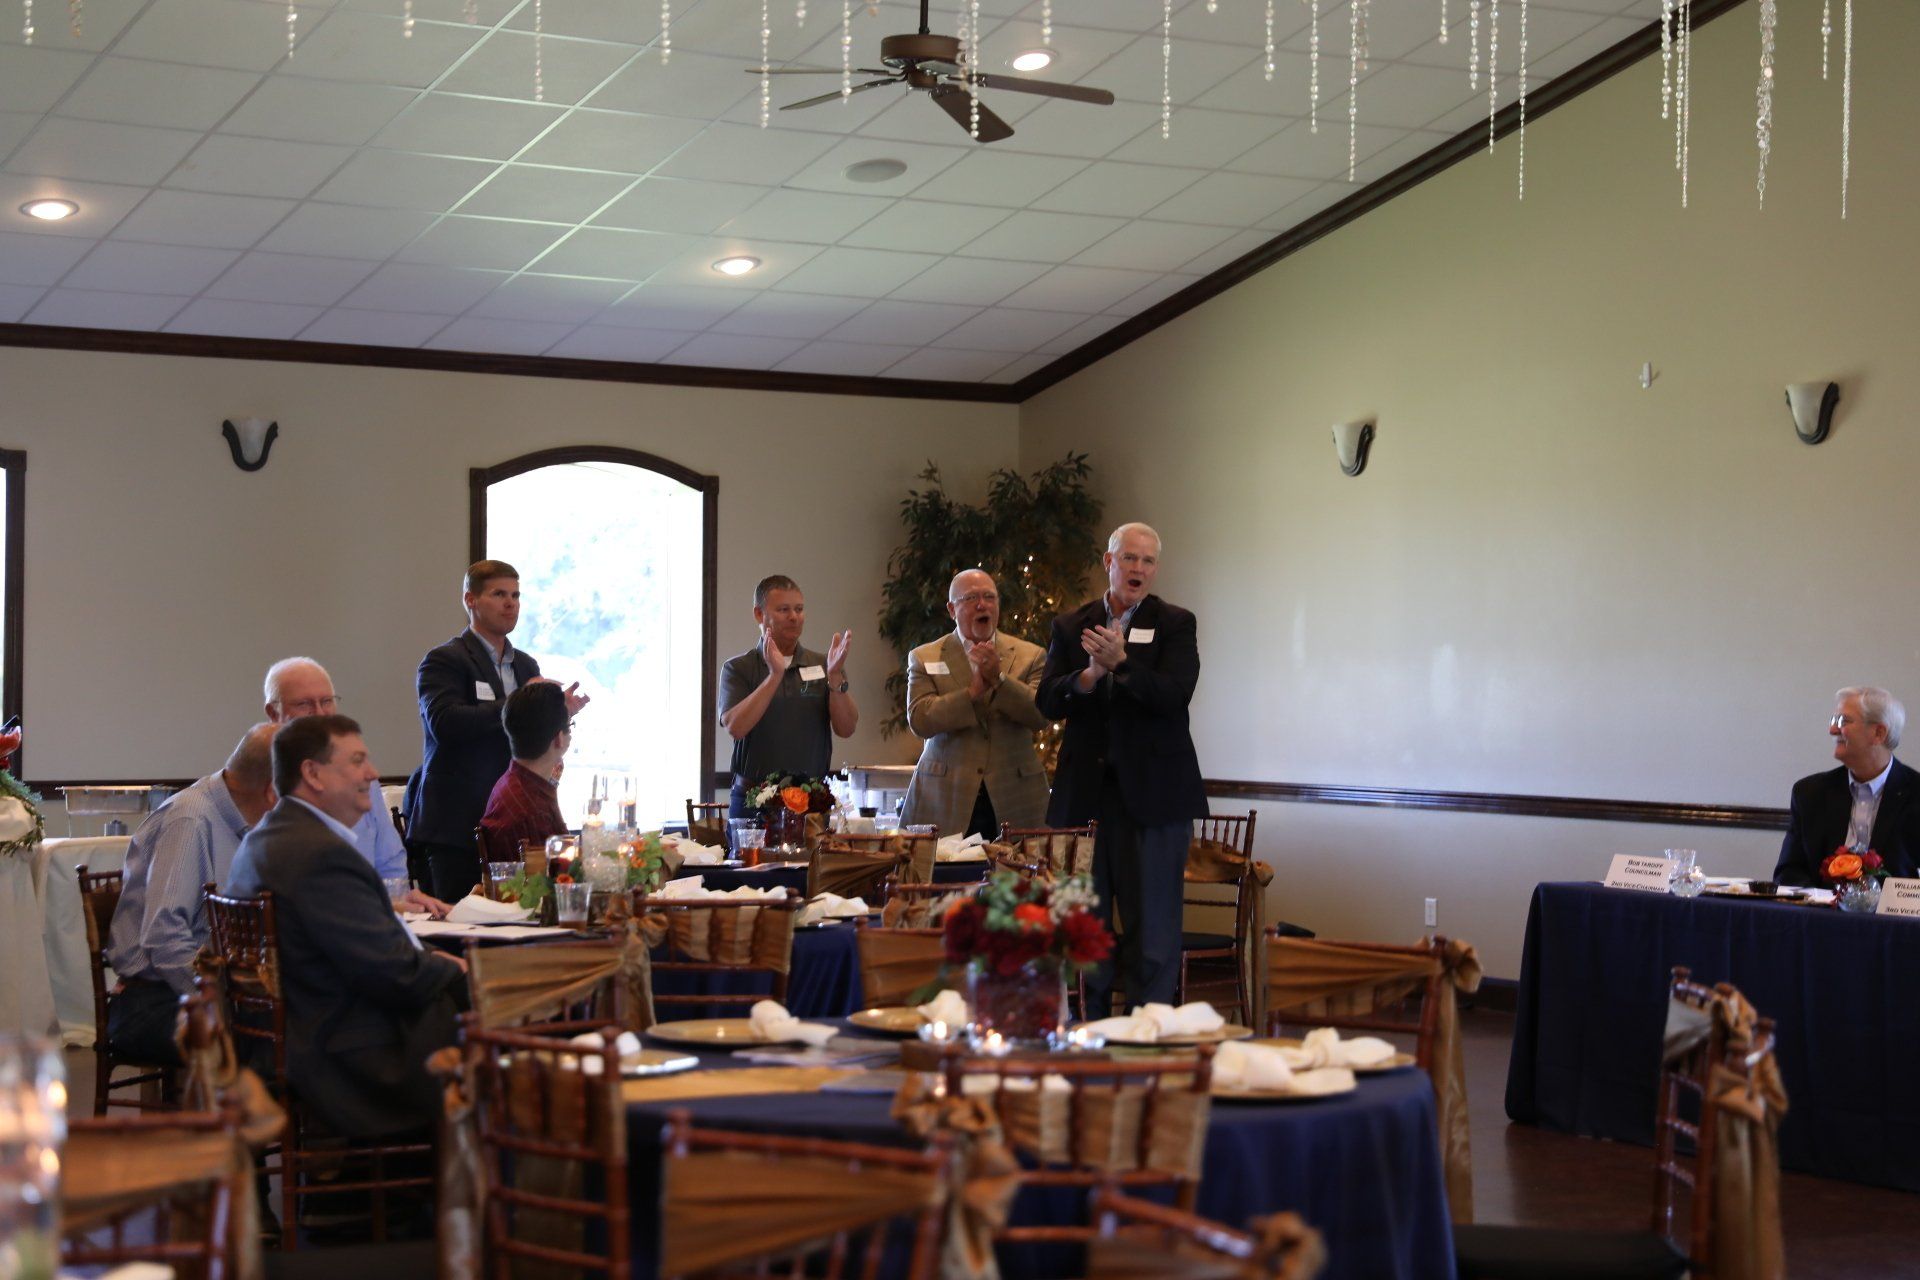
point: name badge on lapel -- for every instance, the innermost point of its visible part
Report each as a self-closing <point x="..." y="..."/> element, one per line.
<point x="1140" y="635"/>
<point x="813" y="673"/>
<point x="483" y="691"/>
<point x="937" y="669"/>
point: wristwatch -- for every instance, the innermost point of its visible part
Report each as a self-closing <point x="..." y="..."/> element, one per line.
<point x="842" y="687"/>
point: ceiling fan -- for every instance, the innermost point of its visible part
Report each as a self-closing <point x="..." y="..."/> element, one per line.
<point x="932" y="62"/>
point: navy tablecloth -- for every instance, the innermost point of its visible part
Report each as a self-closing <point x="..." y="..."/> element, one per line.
<point x="1364" y="1169"/>
<point x="1839" y="987"/>
<point x="824" y="981"/>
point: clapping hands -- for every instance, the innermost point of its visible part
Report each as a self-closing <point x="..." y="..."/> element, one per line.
<point x="837" y="656"/>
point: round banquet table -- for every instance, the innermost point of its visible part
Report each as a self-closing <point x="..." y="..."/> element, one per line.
<point x="1364" y="1169"/>
<point x="793" y="875"/>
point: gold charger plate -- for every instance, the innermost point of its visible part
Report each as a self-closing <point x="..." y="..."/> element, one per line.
<point x="1232" y="1031"/>
<point x="656" y="1062"/>
<point x="893" y="1020"/>
<point x="1398" y="1062"/>
<point x="1279" y="1095"/>
<point x="711" y="1033"/>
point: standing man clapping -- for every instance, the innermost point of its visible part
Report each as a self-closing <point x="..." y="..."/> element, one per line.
<point x="783" y="705"/>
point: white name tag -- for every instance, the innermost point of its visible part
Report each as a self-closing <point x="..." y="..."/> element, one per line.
<point x="1140" y="635"/>
<point x="936" y="668"/>
<point x="1637" y="871"/>
<point x="483" y="691"/>
<point x="1899" y="896"/>
<point x="813" y="673"/>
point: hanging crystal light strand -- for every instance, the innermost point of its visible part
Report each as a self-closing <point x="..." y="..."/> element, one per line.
<point x="1493" y="68"/>
<point x="26" y="21"/>
<point x="1763" y="95"/>
<point x="1666" y="57"/>
<point x="800" y="13"/>
<point x="76" y="23"/>
<point x="1686" y="99"/>
<point x="1523" y="98"/>
<point x="1166" y="69"/>
<point x="766" y="64"/>
<point x="1443" y="21"/>
<point x="1473" y="44"/>
<point x="1313" y="70"/>
<point x="293" y="22"/>
<point x="1354" y="18"/>
<point x="1826" y="34"/>
<point x="1046" y="24"/>
<point x="666" y="31"/>
<point x="406" y="20"/>
<point x="1213" y="6"/>
<point x="1846" y="104"/>
<point x="1269" y="41"/>
<point x="846" y="50"/>
<point x="540" y="53"/>
<point x="973" y="68"/>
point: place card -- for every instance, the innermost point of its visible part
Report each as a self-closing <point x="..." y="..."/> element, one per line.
<point x="1899" y="896"/>
<point x="937" y="669"/>
<point x="1638" y="871"/>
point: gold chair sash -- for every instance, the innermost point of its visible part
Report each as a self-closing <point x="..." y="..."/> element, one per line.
<point x="988" y="1173"/>
<point x="1311" y="977"/>
<point x="1099" y="1127"/>
<point x="1747" y="1238"/>
<point x="750" y="935"/>
<point x="107" y="1174"/>
<point x="514" y="985"/>
<point x="920" y="911"/>
<point x="849" y="872"/>
<point x="895" y="963"/>
<point x="1214" y="862"/>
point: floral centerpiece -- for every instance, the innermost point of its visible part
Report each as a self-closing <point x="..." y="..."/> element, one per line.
<point x="21" y="825"/>
<point x="1022" y="940"/>
<point x="783" y="802"/>
<point x="642" y="861"/>
<point x="1855" y="875"/>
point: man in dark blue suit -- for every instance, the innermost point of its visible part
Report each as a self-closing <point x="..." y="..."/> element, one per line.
<point x="1867" y="803"/>
<point x="1121" y="671"/>
<point x="462" y="686"/>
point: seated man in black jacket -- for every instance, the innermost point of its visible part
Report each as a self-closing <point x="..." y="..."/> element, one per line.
<point x="1867" y="804"/>
<point x="365" y="1004"/>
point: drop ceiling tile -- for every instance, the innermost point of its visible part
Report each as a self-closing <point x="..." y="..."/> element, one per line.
<point x="813" y="217"/>
<point x="1298" y="152"/>
<point x="535" y="194"/>
<point x="1403" y="96"/>
<point x="1111" y="187"/>
<point x="1250" y="90"/>
<point x="17" y="299"/>
<point x="912" y="117"/>
<point x="613" y="255"/>
<point x="213" y="33"/>
<point x="105" y="20"/>
<point x="1134" y="16"/>
<point x="29" y="259"/>
<point x="327" y="111"/>
<point x="1234" y="247"/>
<point x="602" y="342"/>
<point x="490" y="243"/>
<point x="677" y="204"/>
<point x="1232" y="199"/>
<point x="1011" y="330"/>
<point x="860" y="273"/>
<point x="890" y="322"/>
<point x="1547" y="61"/>
<point x="450" y="125"/>
<point x="92" y="309"/>
<point x="1077" y="50"/>
<point x="1080" y="129"/>
<point x="149" y="268"/>
<point x="1243" y="24"/>
<point x="101" y="206"/>
<point x="1042" y="237"/>
<point x="1158" y="291"/>
<point x="517" y="337"/>
<point x="1393" y="31"/>
<point x="852" y="359"/>
<point x="257" y="167"/>
<point x="619" y="21"/>
<point x="1135" y="73"/>
<point x="14" y="127"/>
<point x="1470" y="114"/>
<point x="692" y="84"/>
<point x="973" y="281"/>
<point x="729" y="351"/>
<point x="98" y="152"/>
<point x="1547" y="30"/>
<point x="555" y="299"/>
<point x="789" y="315"/>
<point x="134" y="91"/>
<point x="949" y="364"/>
<point x="1152" y="246"/>
<point x="373" y="328"/>
<point x="1079" y="336"/>
<point x="290" y="278"/>
<point x="501" y="66"/>
<point x="403" y="180"/>
<point x="693" y="269"/>
<point x="1409" y="147"/>
<point x="836" y="116"/>
<point x="1203" y="139"/>
<point x="1004" y="178"/>
<point x="423" y="290"/>
<point x="734" y="153"/>
<point x="829" y="172"/>
<point x="610" y="141"/>
<point x="368" y="48"/>
<point x="484" y="13"/>
<point x="242" y="319"/>
<point x="927" y="226"/>
<point x="195" y="218"/>
<point x="1081" y="289"/>
<point x="673" y="307"/>
<point x="1318" y="200"/>
<point x="720" y="29"/>
<point x="346" y="231"/>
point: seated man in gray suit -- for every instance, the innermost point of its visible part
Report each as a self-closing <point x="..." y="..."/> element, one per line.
<point x="970" y="695"/>
<point x="365" y="1004"/>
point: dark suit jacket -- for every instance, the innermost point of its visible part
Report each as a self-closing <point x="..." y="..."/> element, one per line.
<point x="364" y="1006"/>
<point x="1817" y="824"/>
<point x="1134" y="722"/>
<point x="466" y="746"/>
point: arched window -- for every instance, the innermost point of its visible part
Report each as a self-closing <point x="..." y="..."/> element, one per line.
<point x="615" y="550"/>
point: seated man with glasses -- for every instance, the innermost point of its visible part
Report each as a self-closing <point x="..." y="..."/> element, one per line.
<point x="298" y="687"/>
<point x="970" y="695"/>
<point x="524" y="804"/>
<point x="1866" y="804"/>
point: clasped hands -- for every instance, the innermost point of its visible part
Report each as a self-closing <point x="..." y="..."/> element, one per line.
<point x="1106" y="650"/>
<point x="984" y="660"/>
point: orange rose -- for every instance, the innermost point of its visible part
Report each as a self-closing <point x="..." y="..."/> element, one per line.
<point x="1031" y="915"/>
<point x="1843" y="866"/>
<point x="794" y="798"/>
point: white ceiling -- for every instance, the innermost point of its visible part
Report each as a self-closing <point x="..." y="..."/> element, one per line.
<point x="410" y="192"/>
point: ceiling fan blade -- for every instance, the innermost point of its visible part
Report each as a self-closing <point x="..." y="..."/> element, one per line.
<point x="1045" y="88"/>
<point x="957" y="103"/>
<point x="813" y="71"/>
<point x="834" y="96"/>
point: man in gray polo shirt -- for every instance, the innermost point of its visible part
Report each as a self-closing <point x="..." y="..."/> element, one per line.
<point x="781" y="703"/>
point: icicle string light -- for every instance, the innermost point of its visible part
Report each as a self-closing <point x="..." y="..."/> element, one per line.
<point x="26" y="21"/>
<point x="1269" y="40"/>
<point x="76" y="21"/>
<point x="973" y="67"/>
<point x="1686" y="100"/>
<point x="846" y="50"/>
<point x="1763" y="95"/>
<point x="1846" y="104"/>
<point x="1493" y="67"/>
<point x="406" y="19"/>
<point x="1354" y="19"/>
<point x="666" y="31"/>
<point x="1443" y="21"/>
<point x="293" y="26"/>
<point x="1046" y="24"/>
<point x="1313" y="70"/>
<point x="1666" y="57"/>
<point x="766" y="63"/>
<point x="1826" y="34"/>
<point x="1166" y="68"/>
<point x="1473" y="44"/>
<point x="1523" y="98"/>
<point x="540" y="53"/>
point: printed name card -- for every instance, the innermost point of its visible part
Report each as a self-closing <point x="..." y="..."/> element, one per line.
<point x="1899" y="897"/>
<point x="1638" y="871"/>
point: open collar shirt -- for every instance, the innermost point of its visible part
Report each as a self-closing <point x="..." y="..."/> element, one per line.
<point x="160" y="923"/>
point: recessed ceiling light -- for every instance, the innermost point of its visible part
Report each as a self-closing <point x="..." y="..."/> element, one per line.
<point x="1033" y="60"/>
<point x="50" y="210"/>
<point x="875" y="170"/>
<point x="737" y="266"/>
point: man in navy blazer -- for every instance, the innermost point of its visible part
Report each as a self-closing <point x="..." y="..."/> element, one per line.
<point x="1121" y="671"/>
<point x="462" y="686"/>
<point x="1867" y="803"/>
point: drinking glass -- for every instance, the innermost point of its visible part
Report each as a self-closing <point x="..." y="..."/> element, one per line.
<point x="1679" y="864"/>
<point x="570" y="902"/>
<point x="397" y="888"/>
<point x="917" y="829"/>
<point x="501" y="872"/>
<point x="752" y="841"/>
<point x="735" y="827"/>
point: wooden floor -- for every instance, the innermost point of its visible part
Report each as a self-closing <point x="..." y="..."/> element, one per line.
<point x="1834" y="1230"/>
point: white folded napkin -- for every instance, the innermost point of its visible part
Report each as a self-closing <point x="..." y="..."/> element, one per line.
<point x="831" y="906"/>
<point x="474" y="909"/>
<point x="1241" y="1066"/>
<point x="776" y="894"/>
<point x="1323" y="1047"/>
<point x="948" y="1007"/>
<point x="859" y="826"/>
<point x="1132" y="1028"/>
<point x="974" y="1086"/>
<point x="700" y="855"/>
<point x="1193" y="1019"/>
<point x="628" y="1044"/>
<point x="771" y="1021"/>
<point x="1322" y="1080"/>
<point x="684" y="887"/>
<point x="687" y="887"/>
<point x="958" y="848"/>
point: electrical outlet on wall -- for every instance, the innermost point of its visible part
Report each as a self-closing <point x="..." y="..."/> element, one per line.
<point x="1433" y="912"/>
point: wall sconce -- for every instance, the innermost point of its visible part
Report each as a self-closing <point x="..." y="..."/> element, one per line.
<point x="250" y="440"/>
<point x="1812" y="405"/>
<point x="1351" y="440"/>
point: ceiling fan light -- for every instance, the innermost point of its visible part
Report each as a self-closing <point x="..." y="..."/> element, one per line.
<point x="50" y="210"/>
<point x="736" y="266"/>
<point x="1032" y="60"/>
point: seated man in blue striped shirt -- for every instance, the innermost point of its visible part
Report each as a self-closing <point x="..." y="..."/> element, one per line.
<point x="160" y="923"/>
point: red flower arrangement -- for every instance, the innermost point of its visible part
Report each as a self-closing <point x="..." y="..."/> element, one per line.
<point x="1846" y="866"/>
<point x="1015" y="921"/>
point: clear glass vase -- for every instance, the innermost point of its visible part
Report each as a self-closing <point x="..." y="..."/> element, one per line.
<point x="1858" y="895"/>
<point x="1026" y="1009"/>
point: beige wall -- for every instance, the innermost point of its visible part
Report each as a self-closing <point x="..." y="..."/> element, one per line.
<point x="1548" y="580"/>
<point x="161" y="581"/>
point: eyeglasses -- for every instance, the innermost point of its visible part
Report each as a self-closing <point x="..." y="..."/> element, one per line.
<point x="1841" y="722"/>
<point x="978" y="597"/>
<point x="311" y="707"/>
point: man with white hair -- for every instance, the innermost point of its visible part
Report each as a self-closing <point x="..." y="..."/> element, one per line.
<point x="1865" y="805"/>
<point x="1121" y="671"/>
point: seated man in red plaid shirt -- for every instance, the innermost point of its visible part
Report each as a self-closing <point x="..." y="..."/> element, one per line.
<point x="524" y="804"/>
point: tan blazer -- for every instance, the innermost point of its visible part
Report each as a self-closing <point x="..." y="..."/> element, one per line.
<point x="969" y="743"/>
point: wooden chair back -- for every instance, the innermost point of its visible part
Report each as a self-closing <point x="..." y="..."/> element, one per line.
<point x="157" y="1085"/>
<point x="161" y="1188"/>
<point x="921" y="906"/>
<point x="1058" y="852"/>
<point x="553" y="1140"/>
<point x="1220" y="882"/>
<point x="852" y="871"/>
<point x="1138" y="1238"/>
<point x="707" y="822"/>
<point x="1234" y="829"/>
<point x="539" y="988"/>
<point x="895" y="964"/>
<point x="820" y="1208"/>
<point x="722" y="936"/>
<point x="915" y="849"/>
<point x="1408" y="1007"/>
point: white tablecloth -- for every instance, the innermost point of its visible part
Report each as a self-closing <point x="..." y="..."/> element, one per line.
<point x="26" y="993"/>
<point x="65" y="928"/>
